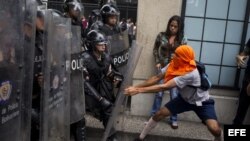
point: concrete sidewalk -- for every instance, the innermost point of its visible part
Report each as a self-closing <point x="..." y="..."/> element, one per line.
<point x="129" y="127"/>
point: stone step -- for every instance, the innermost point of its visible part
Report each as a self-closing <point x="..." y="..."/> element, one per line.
<point x="129" y="127"/>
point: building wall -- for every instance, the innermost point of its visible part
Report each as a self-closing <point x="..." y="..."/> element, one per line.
<point x="152" y="19"/>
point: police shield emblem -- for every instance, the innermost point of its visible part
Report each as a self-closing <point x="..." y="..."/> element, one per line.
<point x="11" y="69"/>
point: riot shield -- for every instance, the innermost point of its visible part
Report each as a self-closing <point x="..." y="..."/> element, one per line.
<point x="11" y="69"/>
<point x="119" y="50"/>
<point x="55" y="97"/>
<point x="29" y="46"/>
<point x="134" y="54"/>
<point x="77" y="97"/>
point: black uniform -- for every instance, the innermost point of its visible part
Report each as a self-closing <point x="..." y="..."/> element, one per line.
<point x="98" y="79"/>
<point x="36" y="94"/>
<point x="110" y="31"/>
<point x="100" y="74"/>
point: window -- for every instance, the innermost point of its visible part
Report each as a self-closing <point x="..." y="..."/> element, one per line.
<point x="216" y="29"/>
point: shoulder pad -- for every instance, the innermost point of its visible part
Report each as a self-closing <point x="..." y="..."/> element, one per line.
<point x="107" y="56"/>
<point x="85" y="54"/>
<point x="86" y="57"/>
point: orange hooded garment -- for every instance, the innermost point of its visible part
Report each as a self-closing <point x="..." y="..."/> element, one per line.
<point x="182" y="63"/>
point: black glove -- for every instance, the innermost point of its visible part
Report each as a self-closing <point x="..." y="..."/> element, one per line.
<point x="118" y="76"/>
<point x="92" y="92"/>
<point x="85" y="73"/>
<point x="105" y="103"/>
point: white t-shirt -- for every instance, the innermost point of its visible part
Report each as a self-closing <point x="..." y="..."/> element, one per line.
<point x="189" y="94"/>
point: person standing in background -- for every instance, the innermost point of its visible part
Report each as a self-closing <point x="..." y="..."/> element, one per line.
<point x="244" y="97"/>
<point x="130" y="31"/>
<point x="164" y="47"/>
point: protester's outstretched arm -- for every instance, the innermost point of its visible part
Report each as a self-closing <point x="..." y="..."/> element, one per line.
<point x="130" y="91"/>
<point x="151" y="81"/>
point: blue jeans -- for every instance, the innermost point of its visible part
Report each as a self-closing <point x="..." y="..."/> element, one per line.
<point x="173" y="94"/>
<point x="158" y="99"/>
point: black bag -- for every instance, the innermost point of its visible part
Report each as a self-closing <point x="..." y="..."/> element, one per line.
<point x="205" y="82"/>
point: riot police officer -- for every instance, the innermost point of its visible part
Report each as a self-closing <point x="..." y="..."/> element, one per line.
<point x="73" y="9"/>
<point x="38" y="77"/>
<point x="93" y="18"/>
<point x="95" y="15"/>
<point x="100" y="77"/>
<point x="110" y="27"/>
<point x="108" y="21"/>
<point x="110" y="15"/>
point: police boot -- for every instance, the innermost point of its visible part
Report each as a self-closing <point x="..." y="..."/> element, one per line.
<point x="112" y="138"/>
<point x="80" y="130"/>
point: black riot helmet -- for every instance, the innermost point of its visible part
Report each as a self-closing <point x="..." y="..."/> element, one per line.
<point x="109" y="10"/>
<point x="40" y="16"/>
<point x="94" y="16"/>
<point x="102" y="2"/>
<point x="95" y="37"/>
<point x="40" y="9"/>
<point x="72" y="4"/>
<point x="74" y="9"/>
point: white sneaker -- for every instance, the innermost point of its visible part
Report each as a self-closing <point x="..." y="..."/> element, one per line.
<point x="174" y="125"/>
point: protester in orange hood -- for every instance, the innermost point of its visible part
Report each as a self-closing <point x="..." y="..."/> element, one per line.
<point x="182" y="63"/>
<point x="181" y="73"/>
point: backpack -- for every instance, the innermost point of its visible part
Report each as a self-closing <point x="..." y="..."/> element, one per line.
<point x="205" y="82"/>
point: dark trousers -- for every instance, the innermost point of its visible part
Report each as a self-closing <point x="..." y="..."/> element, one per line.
<point x="94" y="107"/>
<point x="130" y="39"/>
<point x="77" y="129"/>
<point x="244" y="102"/>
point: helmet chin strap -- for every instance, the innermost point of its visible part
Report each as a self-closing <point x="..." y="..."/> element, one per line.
<point x="98" y="54"/>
